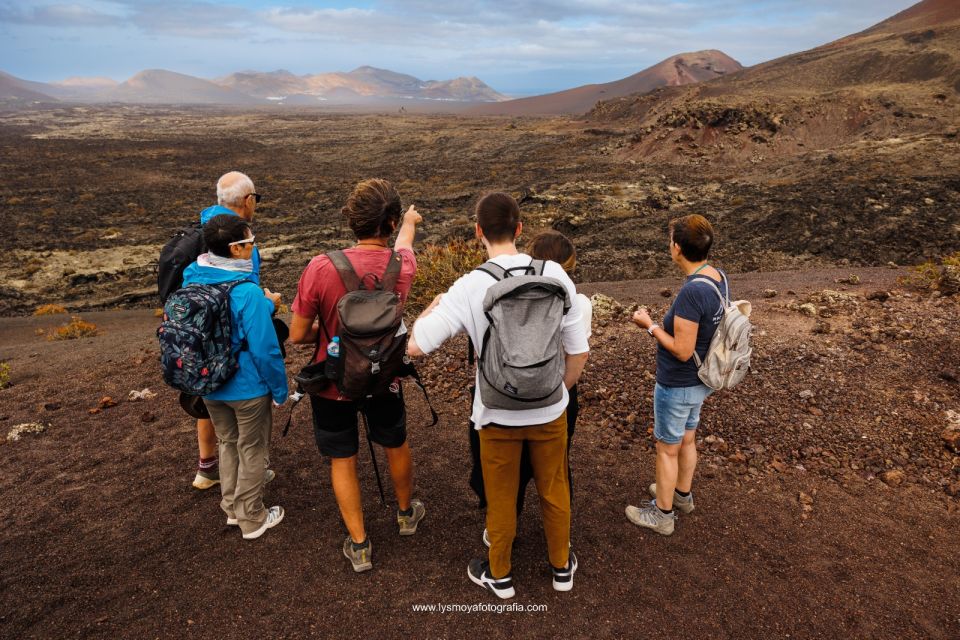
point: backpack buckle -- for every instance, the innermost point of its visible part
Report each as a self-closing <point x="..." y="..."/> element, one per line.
<point x="374" y="368"/>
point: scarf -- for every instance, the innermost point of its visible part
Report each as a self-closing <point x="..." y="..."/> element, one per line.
<point x="229" y="264"/>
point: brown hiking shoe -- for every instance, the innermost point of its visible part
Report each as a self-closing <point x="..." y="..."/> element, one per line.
<point x="360" y="559"/>
<point x="408" y="524"/>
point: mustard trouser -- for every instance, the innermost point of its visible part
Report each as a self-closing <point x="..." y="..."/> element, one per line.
<point x="500" y="449"/>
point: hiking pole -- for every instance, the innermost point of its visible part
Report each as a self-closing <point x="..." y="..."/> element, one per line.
<point x="373" y="457"/>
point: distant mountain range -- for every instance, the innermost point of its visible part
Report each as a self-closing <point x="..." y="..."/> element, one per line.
<point x="365" y="85"/>
<point x="682" y="69"/>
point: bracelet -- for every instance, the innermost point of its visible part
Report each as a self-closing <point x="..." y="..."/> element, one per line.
<point x="652" y="327"/>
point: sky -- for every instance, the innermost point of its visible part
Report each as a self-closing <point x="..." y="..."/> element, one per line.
<point x="518" y="47"/>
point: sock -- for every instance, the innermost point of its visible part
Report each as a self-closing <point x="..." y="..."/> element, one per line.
<point x="360" y="545"/>
<point x="682" y="494"/>
<point x="207" y="464"/>
<point x="666" y="513"/>
<point x="406" y="512"/>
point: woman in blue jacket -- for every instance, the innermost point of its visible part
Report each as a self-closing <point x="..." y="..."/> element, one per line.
<point x="241" y="408"/>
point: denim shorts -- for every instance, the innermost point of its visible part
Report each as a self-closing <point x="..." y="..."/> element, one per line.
<point x="676" y="410"/>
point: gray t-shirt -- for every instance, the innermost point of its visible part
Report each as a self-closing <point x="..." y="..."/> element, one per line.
<point x="696" y="302"/>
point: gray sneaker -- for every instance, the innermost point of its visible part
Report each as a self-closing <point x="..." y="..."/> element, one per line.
<point x="361" y="559"/>
<point x="681" y="503"/>
<point x="650" y="517"/>
<point x="408" y="524"/>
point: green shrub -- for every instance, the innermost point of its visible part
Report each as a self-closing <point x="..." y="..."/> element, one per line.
<point x="935" y="275"/>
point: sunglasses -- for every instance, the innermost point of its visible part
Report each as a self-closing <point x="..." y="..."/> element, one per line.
<point x="256" y="197"/>
<point x="244" y="241"/>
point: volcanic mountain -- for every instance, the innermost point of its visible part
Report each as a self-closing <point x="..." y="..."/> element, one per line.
<point x="157" y="86"/>
<point x="898" y="77"/>
<point x="364" y="84"/>
<point x="15" y="90"/>
<point x="682" y="69"/>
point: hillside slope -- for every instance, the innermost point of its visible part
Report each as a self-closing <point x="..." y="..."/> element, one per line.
<point x="678" y="70"/>
<point x="14" y="90"/>
<point x="898" y="78"/>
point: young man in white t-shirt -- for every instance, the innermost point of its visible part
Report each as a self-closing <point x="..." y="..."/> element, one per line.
<point x="503" y="432"/>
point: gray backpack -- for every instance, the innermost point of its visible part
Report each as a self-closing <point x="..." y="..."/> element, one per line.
<point x="728" y="359"/>
<point x="521" y="358"/>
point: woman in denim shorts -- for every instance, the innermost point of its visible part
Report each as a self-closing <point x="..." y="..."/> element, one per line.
<point x="688" y="326"/>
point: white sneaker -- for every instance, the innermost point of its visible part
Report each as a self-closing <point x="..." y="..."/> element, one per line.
<point x="563" y="578"/>
<point x="206" y="479"/>
<point x="232" y="522"/>
<point x="479" y="573"/>
<point x="274" y="516"/>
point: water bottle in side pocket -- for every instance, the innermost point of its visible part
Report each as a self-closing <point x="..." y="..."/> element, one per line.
<point x="333" y="358"/>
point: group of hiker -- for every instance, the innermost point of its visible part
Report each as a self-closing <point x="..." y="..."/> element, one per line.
<point x="223" y="347"/>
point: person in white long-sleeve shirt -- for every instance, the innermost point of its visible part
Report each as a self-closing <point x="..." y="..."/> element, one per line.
<point x="503" y="432"/>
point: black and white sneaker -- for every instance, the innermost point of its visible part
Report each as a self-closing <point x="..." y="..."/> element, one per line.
<point x="479" y="573"/>
<point x="563" y="578"/>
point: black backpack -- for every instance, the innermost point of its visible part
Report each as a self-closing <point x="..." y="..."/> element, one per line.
<point x="182" y="249"/>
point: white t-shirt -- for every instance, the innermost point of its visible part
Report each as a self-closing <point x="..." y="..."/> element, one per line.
<point x="586" y="312"/>
<point x="461" y="311"/>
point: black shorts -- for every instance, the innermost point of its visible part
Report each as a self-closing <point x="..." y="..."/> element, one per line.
<point x="335" y="423"/>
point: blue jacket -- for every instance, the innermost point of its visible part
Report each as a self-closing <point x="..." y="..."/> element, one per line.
<point x="217" y="210"/>
<point x="261" y="366"/>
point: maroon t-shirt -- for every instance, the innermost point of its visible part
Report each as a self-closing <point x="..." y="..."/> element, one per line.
<point x="320" y="289"/>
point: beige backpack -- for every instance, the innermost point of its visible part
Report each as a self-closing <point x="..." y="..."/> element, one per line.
<point x="728" y="358"/>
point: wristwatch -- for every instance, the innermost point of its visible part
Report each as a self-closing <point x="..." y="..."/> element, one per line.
<point x="652" y="327"/>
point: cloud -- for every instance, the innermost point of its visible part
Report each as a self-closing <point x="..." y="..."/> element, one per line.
<point x="545" y="33"/>
<point x="58" y="15"/>
<point x="191" y="19"/>
<point x="440" y="38"/>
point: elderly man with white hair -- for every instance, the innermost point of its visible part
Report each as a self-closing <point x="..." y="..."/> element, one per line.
<point x="236" y="196"/>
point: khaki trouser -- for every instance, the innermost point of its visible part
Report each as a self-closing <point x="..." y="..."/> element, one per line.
<point x="243" y="432"/>
<point x="500" y="449"/>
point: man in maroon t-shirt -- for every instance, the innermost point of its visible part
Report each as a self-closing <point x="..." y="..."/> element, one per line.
<point x="373" y="211"/>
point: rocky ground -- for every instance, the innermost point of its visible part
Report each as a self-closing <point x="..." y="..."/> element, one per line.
<point x="92" y="193"/>
<point x="826" y="497"/>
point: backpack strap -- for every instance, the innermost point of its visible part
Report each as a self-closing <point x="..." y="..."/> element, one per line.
<point x="348" y="275"/>
<point x="493" y="270"/>
<point x="296" y="397"/>
<point x="724" y="303"/>
<point x="417" y="380"/>
<point x="538" y="266"/>
<point x="392" y="273"/>
<point x="724" y="299"/>
<point x="244" y="345"/>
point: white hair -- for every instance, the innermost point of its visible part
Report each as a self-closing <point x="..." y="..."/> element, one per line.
<point x="232" y="188"/>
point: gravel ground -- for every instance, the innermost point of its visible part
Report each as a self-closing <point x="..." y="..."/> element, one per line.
<point x="826" y="494"/>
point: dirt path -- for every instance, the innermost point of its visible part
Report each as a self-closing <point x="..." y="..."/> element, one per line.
<point x="105" y="538"/>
